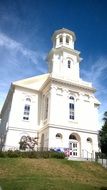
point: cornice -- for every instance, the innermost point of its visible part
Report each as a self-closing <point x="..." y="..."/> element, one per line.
<point x="42" y="128"/>
<point x="63" y="49"/>
<point x="73" y="84"/>
<point x="25" y="88"/>
<point x="46" y="83"/>
<point x="22" y="129"/>
<point x="53" y="126"/>
<point x="73" y="129"/>
<point x="67" y="83"/>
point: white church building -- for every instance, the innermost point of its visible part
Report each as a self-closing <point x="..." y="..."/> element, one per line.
<point x="58" y="107"/>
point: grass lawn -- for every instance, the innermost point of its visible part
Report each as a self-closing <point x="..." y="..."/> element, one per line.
<point x="51" y="174"/>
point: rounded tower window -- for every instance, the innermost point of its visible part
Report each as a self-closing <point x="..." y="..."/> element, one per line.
<point x="69" y="64"/>
<point x="60" y="39"/>
<point x="67" y="39"/>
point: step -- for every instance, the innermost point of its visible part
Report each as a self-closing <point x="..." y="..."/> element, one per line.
<point x="80" y="159"/>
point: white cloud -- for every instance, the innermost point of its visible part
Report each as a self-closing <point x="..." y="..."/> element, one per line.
<point x="17" y="62"/>
<point x="96" y="70"/>
<point x="15" y="46"/>
<point x="97" y="75"/>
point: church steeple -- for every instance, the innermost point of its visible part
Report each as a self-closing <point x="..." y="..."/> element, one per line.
<point x="63" y="38"/>
<point x="63" y="59"/>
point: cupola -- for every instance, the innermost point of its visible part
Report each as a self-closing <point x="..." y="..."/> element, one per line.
<point x="63" y="59"/>
<point x="63" y="37"/>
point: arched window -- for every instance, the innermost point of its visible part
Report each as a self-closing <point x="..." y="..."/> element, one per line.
<point x="59" y="135"/>
<point x="89" y="140"/>
<point x="71" y="108"/>
<point x="72" y="137"/>
<point x="69" y="64"/>
<point x="27" y="108"/>
<point x="60" y="39"/>
<point x="28" y="99"/>
<point x="71" y="98"/>
<point x="67" y="39"/>
<point x="26" y="112"/>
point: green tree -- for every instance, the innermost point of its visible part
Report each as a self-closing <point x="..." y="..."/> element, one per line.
<point x="103" y="135"/>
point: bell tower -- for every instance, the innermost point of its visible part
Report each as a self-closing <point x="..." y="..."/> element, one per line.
<point x="63" y="38"/>
<point x="63" y="59"/>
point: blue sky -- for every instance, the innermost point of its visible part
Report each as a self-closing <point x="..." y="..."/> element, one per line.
<point x="26" y="27"/>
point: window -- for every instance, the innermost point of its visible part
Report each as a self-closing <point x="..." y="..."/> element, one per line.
<point x="74" y="145"/>
<point x="67" y="39"/>
<point x="69" y="64"/>
<point x="72" y="137"/>
<point x="59" y="135"/>
<point x="26" y="112"/>
<point x="60" y="39"/>
<point x="28" y="99"/>
<point x="71" y="108"/>
<point x="89" y="140"/>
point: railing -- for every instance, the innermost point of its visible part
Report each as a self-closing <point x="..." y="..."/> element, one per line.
<point x="13" y="148"/>
<point x="101" y="159"/>
<point x="5" y="148"/>
<point x="87" y="155"/>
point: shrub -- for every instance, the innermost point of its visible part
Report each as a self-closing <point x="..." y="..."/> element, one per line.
<point x="3" y="154"/>
<point x="58" y="155"/>
<point x="100" y="155"/>
<point x="13" y="154"/>
<point x="32" y="154"/>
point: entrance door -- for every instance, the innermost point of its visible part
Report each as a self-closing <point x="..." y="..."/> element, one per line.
<point x="73" y="148"/>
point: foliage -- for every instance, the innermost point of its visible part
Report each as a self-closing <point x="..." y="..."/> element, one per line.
<point x="58" y="155"/>
<point x="10" y="154"/>
<point x="22" y="145"/>
<point x="27" y="142"/>
<point x="32" y="154"/>
<point x="103" y="135"/>
<point x="100" y="155"/>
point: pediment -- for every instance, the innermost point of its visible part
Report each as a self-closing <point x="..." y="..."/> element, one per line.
<point x="34" y="83"/>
